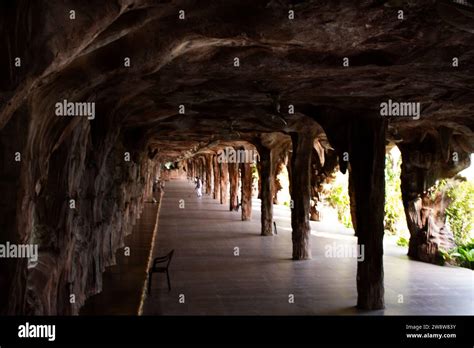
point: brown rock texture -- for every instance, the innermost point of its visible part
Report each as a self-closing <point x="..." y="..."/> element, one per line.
<point x="168" y="89"/>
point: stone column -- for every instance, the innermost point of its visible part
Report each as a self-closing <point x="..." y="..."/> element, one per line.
<point x="224" y="176"/>
<point x="367" y="164"/>
<point x="266" y="190"/>
<point x="233" y="179"/>
<point x="217" y="179"/>
<point x="209" y="178"/>
<point x="301" y="194"/>
<point x="200" y="169"/>
<point x="288" y="169"/>
<point x="246" y="187"/>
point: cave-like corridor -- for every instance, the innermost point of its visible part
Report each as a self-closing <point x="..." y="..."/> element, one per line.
<point x="215" y="281"/>
<point x="116" y="115"/>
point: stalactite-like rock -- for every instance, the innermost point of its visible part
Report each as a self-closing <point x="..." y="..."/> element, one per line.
<point x="276" y="183"/>
<point x="321" y="173"/>
<point x="280" y="155"/>
<point x="422" y="164"/>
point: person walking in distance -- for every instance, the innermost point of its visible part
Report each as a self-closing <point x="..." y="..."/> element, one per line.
<point x="198" y="187"/>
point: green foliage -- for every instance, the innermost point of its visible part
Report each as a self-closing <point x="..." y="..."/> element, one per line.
<point x="462" y="255"/>
<point x="253" y="168"/>
<point x="465" y="257"/>
<point x="460" y="212"/>
<point x="443" y="257"/>
<point x="394" y="210"/>
<point x="338" y="198"/>
<point x="402" y="241"/>
<point x="460" y="217"/>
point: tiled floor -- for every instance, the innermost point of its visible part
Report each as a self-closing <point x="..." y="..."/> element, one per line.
<point x="261" y="279"/>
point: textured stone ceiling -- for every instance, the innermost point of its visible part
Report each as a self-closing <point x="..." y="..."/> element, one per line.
<point x="190" y="62"/>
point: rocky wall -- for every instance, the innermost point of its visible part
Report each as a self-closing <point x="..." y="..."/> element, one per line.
<point x="79" y="199"/>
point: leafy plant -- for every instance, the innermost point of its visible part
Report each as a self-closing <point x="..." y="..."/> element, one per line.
<point x="460" y="212"/>
<point x="444" y="257"/>
<point x="462" y="255"/>
<point x="338" y="198"/>
<point x="402" y="241"/>
<point x="394" y="210"/>
<point x="465" y="257"/>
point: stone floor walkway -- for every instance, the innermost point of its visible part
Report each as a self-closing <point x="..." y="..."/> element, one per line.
<point x="263" y="278"/>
